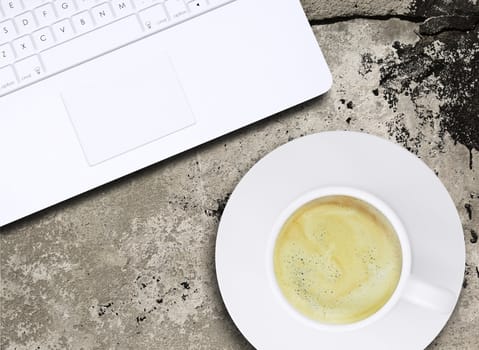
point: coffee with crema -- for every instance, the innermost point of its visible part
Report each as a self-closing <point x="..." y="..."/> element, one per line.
<point x="337" y="260"/>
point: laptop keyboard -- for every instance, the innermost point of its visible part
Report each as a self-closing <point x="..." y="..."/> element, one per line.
<point x="39" y="38"/>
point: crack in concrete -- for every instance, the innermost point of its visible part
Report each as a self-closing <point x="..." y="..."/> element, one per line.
<point x="338" y="19"/>
<point x="428" y="25"/>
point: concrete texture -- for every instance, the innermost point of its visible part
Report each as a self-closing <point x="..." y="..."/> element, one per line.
<point x="414" y="10"/>
<point x="324" y="9"/>
<point x="131" y="265"/>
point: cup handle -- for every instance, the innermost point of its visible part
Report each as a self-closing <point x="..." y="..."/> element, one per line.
<point x="429" y="296"/>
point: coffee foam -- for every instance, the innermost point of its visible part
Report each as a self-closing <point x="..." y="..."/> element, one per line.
<point x="337" y="260"/>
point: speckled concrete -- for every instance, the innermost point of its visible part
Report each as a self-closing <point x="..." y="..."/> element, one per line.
<point x="131" y="265"/>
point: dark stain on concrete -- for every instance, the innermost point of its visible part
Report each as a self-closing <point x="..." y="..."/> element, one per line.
<point x="467" y="272"/>
<point x="437" y="25"/>
<point x="367" y="62"/>
<point x="102" y="308"/>
<point x="402" y="134"/>
<point x="430" y="8"/>
<point x="185" y="285"/>
<point x="468" y="210"/>
<point x="220" y="207"/>
<point x="445" y="65"/>
<point x="140" y="319"/>
<point x="473" y="237"/>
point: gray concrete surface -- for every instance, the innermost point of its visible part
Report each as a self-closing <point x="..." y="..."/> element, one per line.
<point x="131" y="265"/>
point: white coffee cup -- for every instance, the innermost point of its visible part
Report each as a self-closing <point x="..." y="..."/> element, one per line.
<point x="409" y="287"/>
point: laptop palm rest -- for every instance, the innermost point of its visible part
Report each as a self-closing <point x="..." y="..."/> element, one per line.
<point x="124" y="107"/>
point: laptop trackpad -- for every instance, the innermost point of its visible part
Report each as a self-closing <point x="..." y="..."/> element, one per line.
<point x="116" y="109"/>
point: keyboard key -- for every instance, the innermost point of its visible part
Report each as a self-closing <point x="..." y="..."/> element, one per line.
<point x="197" y="6"/>
<point x="176" y="8"/>
<point x="23" y="46"/>
<point x="29" y="70"/>
<point x="153" y="18"/>
<point x="102" y="14"/>
<point x="8" y="80"/>
<point x="63" y="30"/>
<point x="45" y="15"/>
<point x="25" y="23"/>
<point x="82" y="22"/>
<point x="122" y="8"/>
<point x="7" y="31"/>
<point x="92" y="44"/>
<point x="65" y="8"/>
<point x="43" y="38"/>
<point x="11" y="8"/>
<point x="6" y="55"/>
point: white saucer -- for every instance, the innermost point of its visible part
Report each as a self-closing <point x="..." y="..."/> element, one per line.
<point x="349" y="159"/>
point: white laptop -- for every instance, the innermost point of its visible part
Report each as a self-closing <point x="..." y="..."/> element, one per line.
<point x="92" y="90"/>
